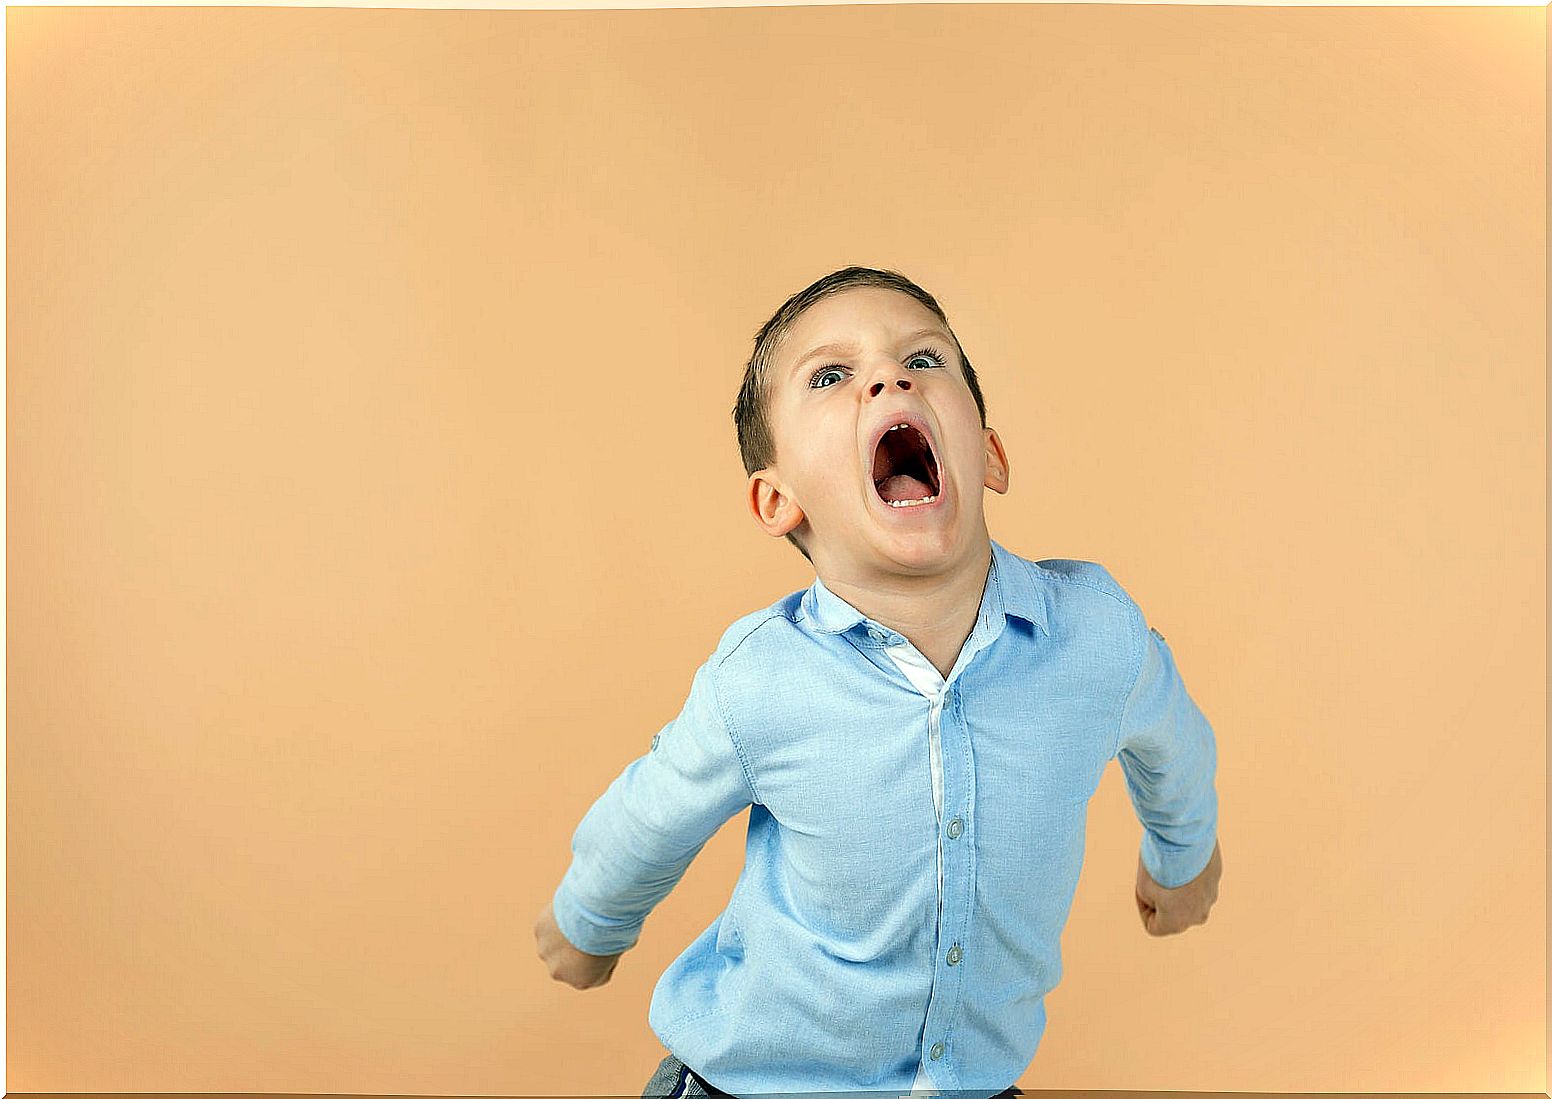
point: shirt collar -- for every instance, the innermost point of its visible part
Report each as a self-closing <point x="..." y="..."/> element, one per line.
<point x="1011" y="587"/>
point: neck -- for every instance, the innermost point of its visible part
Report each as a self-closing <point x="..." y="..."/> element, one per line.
<point x="936" y="612"/>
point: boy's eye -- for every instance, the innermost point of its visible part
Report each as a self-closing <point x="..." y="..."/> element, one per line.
<point x="936" y="358"/>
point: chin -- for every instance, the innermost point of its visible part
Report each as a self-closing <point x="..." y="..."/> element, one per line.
<point x="923" y="549"/>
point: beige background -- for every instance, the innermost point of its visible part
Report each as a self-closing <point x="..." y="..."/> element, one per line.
<point x="373" y="495"/>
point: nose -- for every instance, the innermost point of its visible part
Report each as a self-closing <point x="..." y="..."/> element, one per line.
<point x="887" y="373"/>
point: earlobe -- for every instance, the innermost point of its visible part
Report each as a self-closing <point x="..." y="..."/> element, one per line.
<point x="775" y="511"/>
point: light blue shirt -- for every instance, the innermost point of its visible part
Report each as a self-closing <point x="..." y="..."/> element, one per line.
<point x="840" y="963"/>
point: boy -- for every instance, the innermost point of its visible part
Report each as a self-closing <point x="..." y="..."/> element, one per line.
<point x="916" y="736"/>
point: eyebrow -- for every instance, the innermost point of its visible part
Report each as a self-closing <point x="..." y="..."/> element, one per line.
<point x="847" y="349"/>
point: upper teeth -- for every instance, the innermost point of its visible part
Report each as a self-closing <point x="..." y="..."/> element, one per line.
<point x="897" y="427"/>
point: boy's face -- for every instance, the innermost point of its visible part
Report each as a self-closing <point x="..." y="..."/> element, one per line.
<point x="827" y="409"/>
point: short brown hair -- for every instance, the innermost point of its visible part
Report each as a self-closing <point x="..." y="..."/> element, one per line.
<point x="756" y="443"/>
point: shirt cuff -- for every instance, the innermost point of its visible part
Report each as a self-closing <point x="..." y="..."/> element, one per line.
<point x="588" y="931"/>
<point x="1172" y="865"/>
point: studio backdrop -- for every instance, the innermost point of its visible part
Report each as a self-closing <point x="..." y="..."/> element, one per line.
<point x="373" y="494"/>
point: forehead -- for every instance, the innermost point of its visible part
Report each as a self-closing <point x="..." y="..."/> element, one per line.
<point x="852" y="319"/>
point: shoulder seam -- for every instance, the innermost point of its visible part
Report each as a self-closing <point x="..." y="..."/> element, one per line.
<point x="728" y="725"/>
<point x="732" y="735"/>
<point x="1136" y="621"/>
<point x="1067" y="578"/>
<point x="1135" y="678"/>
<point x="769" y="614"/>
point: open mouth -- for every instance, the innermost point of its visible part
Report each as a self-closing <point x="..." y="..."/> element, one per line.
<point x="905" y="470"/>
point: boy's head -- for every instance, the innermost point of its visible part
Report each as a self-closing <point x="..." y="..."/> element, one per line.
<point x="809" y="420"/>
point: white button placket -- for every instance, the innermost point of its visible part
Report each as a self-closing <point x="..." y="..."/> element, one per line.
<point x="935" y="761"/>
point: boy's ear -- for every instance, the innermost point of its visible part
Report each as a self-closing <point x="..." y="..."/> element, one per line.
<point x="775" y="511"/>
<point x="996" y="463"/>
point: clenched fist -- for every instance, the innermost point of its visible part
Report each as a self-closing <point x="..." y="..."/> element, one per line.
<point x="1171" y="911"/>
<point x="565" y="962"/>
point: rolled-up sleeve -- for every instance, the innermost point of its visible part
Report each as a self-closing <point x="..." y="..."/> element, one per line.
<point x="636" y="841"/>
<point x="1169" y="756"/>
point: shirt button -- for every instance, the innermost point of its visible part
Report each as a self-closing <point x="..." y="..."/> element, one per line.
<point x="875" y="635"/>
<point x="655" y="737"/>
<point x="954" y="828"/>
<point x="936" y="1051"/>
<point x="954" y="954"/>
<point x="1155" y="633"/>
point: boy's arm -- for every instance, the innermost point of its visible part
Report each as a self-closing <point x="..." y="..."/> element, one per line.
<point x="1169" y="757"/>
<point x="636" y="841"/>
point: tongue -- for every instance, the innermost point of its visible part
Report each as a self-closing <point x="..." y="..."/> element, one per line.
<point x="902" y="486"/>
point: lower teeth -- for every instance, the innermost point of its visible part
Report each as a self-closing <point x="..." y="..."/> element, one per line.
<point x="911" y="503"/>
